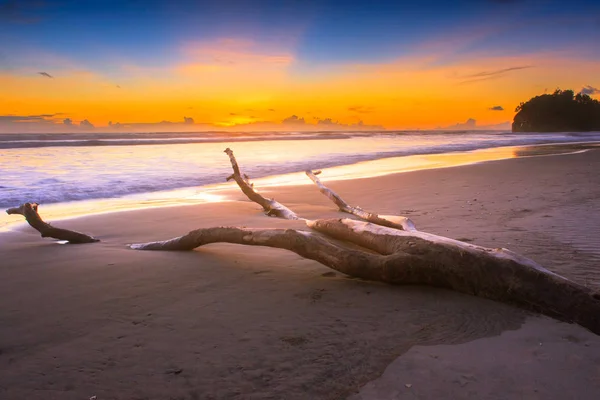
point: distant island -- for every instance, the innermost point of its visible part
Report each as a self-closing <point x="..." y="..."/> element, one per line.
<point x="561" y="111"/>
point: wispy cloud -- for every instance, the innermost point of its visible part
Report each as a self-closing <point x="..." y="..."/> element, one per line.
<point x="231" y="54"/>
<point x="589" y="90"/>
<point x="26" y="118"/>
<point x="486" y="75"/>
<point x="47" y="75"/>
<point x="361" y="109"/>
<point x="497" y="72"/>
<point x="496" y="108"/>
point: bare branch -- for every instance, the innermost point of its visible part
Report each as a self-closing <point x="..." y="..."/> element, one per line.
<point x="391" y="221"/>
<point x="272" y="208"/>
<point x="29" y="211"/>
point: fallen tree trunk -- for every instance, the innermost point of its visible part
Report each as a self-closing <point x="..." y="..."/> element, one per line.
<point x="29" y="211"/>
<point x="272" y="208"/>
<point x="402" y="257"/>
<point x="391" y="221"/>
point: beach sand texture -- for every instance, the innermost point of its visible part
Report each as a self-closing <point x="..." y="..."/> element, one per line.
<point x="234" y="322"/>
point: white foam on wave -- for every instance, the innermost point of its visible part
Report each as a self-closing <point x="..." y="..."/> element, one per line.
<point x="151" y="173"/>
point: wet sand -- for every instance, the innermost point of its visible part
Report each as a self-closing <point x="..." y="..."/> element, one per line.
<point x="233" y="322"/>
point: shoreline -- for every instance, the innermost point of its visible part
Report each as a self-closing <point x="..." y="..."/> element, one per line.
<point x="239" y="322"/>
<point x="222" y="192"/>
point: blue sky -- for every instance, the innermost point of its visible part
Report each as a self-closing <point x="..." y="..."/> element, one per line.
<point x="328" y="31"/>
<point x="285" y="50"/>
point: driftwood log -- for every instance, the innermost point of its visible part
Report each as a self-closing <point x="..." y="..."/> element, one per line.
<point x="401" y="257"/>
<point x="399" y="254"/>
<point x="30" y="212"/>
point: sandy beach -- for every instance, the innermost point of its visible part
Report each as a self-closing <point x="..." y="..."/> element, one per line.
<point x="234" y="322"/>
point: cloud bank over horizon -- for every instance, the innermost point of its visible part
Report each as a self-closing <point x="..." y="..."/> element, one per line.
<point x="49" y="123"/>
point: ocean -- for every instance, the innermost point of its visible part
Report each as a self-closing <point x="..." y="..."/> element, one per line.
<point x="149" y="169"/>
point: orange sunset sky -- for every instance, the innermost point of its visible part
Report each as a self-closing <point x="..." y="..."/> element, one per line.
<point x="286" y="66"/>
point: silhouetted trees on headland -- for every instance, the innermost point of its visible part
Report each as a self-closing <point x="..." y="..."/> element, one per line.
<point x="561" y="111"/>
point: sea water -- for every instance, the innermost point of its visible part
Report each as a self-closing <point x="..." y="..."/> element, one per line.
<point x="140" y="168"/>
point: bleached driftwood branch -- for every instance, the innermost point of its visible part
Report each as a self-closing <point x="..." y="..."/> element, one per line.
<point x="416" y="258"/>
<point x="29" y="211"/>
<point x="391" y="221"/>
<point x="272" y="208"/>
<point x="396" y="253"/>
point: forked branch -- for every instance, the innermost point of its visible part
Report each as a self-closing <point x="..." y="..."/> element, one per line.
<point x="390" y="221"/>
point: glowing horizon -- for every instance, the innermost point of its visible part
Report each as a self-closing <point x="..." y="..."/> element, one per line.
<point x="279" y="66"/>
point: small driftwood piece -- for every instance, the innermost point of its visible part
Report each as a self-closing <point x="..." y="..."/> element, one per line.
<point x="390" y="221"/>
<point x="29" y="211"/>
<point x="416" y="258"/>
<point x="272" y="208"/>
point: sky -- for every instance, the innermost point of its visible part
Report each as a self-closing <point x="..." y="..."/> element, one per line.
<point x="150" y="65"/>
